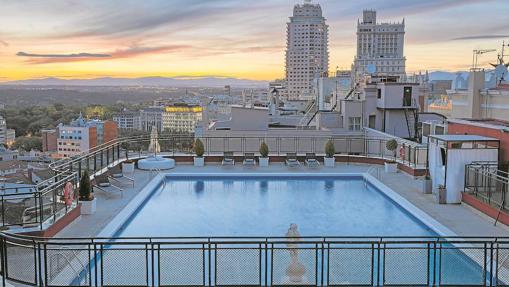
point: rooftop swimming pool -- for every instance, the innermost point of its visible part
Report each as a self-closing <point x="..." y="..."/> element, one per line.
<point x="232" y="206"/>
<point x="213" y="230"/>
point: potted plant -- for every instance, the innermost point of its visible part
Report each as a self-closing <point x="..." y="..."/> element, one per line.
<point x="263" y="160"/>
<point x="128" y="167"/>
<point x="391" y="166"/>
<point x="329" y="160"/>
<point x="441" y="195"/>
<point x="87" y="199"/>
<point x="199" y="150"/>
<point x="427" y="186"/>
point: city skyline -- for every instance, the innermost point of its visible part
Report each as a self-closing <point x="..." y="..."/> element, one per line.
<point x="227" y="38"/>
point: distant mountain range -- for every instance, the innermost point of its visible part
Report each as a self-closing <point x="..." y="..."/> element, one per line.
<point x="178" y="82"/>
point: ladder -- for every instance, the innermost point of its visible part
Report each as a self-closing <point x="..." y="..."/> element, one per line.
<point x="411" y="120"/>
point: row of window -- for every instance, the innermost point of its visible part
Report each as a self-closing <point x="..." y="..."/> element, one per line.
<point x="70" y="137"/>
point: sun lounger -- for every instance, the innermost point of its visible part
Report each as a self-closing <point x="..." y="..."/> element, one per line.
<point x="291" y="160"/>
<point x="228" y="159"/>
<point x="115" y="173"/>
<point x="249" y="159"/>
<point x="311" y="160"/>
<point x="102" y="182"/>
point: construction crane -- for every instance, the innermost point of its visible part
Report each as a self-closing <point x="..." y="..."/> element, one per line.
<point x="476" y="54"/>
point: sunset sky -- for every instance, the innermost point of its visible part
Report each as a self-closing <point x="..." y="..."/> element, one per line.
<point x="237" y="38"/>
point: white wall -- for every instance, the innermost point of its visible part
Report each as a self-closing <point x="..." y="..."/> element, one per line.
<point x="456" y="161"/>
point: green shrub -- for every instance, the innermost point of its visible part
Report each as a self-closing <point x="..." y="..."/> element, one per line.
<point x="264" y="149"/>
<point x="392" y="145"/>
<point x="199" y="150"/>
<point x="85" y="188"/>
<point x="330" y="149"/>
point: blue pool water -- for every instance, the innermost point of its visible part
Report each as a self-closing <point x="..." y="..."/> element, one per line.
<point x="236" y="206"/>
<point x="267" y="207"/>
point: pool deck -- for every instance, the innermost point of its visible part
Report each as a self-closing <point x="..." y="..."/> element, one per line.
<point x="460" y="219"/>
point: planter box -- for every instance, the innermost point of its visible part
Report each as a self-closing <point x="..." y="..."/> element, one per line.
<point x="128" y="168"/>
<point x="391" y="167"/>
<point x="427" y="186"/>
<point x="440" y="196"/>
<point x="329" y="161"/>
<point x="88" y="207"/>
<point x="263" y="161"/>
<point x="199" y="161"/>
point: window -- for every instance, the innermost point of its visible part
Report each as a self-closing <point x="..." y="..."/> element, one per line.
<point x="379" y="95"/>
<point x="354" y="123"/>
<point x="372" y="121"/>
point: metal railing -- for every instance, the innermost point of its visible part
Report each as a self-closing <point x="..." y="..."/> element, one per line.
<point x="33" y="207"/>
<point x="45" y="205"/>
<point x="354" y="146"/>
<point x="272" y="261"/>
<point x="487" y="182"/>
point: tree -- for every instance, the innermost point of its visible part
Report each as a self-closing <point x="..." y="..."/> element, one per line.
<point x="85" y="189"/>
<point x="330" y="150"/>
<point x="199" y="149"/>
<point x="28" y="143"/>
<point x="392" y="145"/>
<point x="264" y="150"/>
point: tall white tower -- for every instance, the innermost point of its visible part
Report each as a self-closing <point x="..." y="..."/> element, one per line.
<point x="307" y="52"/>
<point x="380" y="47"/>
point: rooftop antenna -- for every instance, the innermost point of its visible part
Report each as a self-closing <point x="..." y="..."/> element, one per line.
<point x="476" y="54"/>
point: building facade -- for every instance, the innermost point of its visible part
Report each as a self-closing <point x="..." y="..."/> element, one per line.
<point x="307" y="54"/>
<point x="128" y="120"/>
<point x="150" y="117"/>
<point x="82" y="135"/>
<point x="181" y="119"/>
<point x="380" y="47"/>
<point x="49" y="140"/>
<point x="7" y="136"/>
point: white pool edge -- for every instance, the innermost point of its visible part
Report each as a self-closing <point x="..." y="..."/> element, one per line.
<point x="114" y="226"/>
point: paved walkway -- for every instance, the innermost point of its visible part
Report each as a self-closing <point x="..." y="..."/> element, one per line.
<point x="461" y="219"/>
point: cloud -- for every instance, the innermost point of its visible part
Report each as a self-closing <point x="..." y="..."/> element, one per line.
<point x="130" y="52"/>
<point x="481" y="37"/>
<point x="3" y="43"/>
<point x="79" y="55"/>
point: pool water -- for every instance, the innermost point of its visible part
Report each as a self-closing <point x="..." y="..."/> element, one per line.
<point x="266" y="206"/>
<point x="233" y="206"/>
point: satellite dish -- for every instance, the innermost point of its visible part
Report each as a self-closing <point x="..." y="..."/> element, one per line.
<point x="371" y="69"/>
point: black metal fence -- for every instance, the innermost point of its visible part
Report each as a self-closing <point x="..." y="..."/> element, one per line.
<point x="38" y="205"/>
<point x="97" y="159"/>
<point x="488" y="182"/>
<point x="396" y="261"/>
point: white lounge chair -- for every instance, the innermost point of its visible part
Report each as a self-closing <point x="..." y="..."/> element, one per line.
<point x="291" y="160"/>
<point x="311" y="160"/>
<point x="228" y="159"/>
<point x="249" y="159"/>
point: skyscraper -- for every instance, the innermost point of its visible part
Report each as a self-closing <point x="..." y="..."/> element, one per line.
<point x="379" y="47"/>
<point x="307" y="53"/>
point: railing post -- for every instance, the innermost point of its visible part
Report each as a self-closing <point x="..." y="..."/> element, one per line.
<point x="3" y="259"/>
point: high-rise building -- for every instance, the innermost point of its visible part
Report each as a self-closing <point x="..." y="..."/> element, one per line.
<point x="307" y="53"/>
<point x="380" y="47"/>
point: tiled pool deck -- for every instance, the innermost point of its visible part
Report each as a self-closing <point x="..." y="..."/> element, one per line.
<point x="460" y="219"/>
